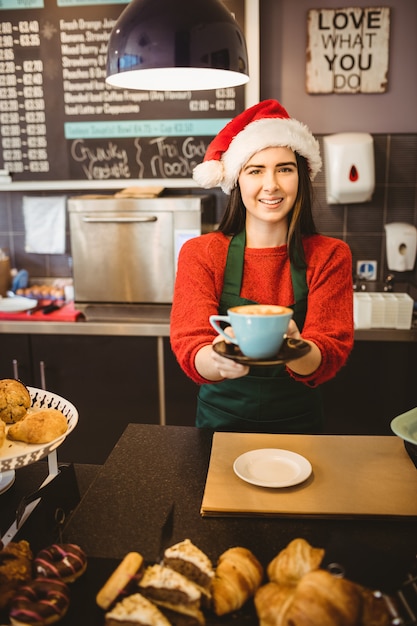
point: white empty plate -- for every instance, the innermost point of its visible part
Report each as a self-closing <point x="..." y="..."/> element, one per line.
<point x="272" y="467"/>
<point x="17" y="304"/>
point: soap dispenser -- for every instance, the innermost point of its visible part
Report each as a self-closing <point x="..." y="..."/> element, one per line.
<point x="349" y="167"/>
<point x="401" y="241"/>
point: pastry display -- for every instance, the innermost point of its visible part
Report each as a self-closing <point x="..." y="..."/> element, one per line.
<point x="39" y="426"/>
<point x="14" y="400"/>
<point x="122" y="581"/>
<point x="66" y="561"/>
<point x="135" y="610"/>
<point x="15" y="569"/>
<point x="237" y="577"/>
<point x="39" y="602"/>
<point x="299" y="593"/>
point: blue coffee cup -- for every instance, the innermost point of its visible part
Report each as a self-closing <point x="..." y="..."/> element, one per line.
<point x="259" y="329"/>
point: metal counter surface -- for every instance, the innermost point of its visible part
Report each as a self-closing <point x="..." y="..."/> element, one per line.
<point x="139" y="329"/>
<point x="156" y="328"/>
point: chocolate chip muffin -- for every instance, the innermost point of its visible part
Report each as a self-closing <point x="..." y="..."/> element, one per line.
<point x="14" y="400"/>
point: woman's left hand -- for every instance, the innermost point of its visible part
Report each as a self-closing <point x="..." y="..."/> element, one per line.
<point x="311" y="361"/>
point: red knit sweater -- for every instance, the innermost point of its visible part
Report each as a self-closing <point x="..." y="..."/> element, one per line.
<point x="266" y="279"/>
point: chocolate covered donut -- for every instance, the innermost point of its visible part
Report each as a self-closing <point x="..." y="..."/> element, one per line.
<point x="66" y="561"/>
<point x="40" y="602"/>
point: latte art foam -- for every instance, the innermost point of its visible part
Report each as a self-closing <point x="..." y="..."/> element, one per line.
<point x="260" y="309"/>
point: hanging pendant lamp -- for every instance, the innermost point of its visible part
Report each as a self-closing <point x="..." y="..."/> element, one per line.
<point x="176" y="45"/>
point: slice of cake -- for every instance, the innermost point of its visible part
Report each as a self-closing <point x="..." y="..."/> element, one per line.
<point x="183" y="617"/>
<point x="135" y="610"/>
<point x="187" y="559"/>
<point x="174" y="593"/>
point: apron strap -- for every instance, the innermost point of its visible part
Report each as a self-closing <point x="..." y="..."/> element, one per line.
<point x="300" y="288"/>
<point x="233" y="273"/>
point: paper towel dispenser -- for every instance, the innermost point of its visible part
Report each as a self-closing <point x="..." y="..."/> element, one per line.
<point x="401" y="246"/>
<point x="349" y="167"/>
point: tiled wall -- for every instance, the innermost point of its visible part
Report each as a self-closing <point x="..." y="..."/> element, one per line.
<point x="361" y="225"/>
<point x="394" y="200"/>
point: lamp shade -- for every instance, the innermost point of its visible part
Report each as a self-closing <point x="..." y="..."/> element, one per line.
<point x="176" y="45"/>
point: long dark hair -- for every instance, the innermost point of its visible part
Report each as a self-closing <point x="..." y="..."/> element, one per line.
<point x="300" y="218"/>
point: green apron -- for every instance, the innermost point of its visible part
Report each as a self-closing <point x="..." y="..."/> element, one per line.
<point x="268" y="399"/>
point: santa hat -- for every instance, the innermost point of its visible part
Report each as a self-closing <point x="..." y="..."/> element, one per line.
<point x="264" y="125"/>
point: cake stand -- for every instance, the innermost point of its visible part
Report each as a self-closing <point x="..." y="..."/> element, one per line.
<point x="16" y="454"/>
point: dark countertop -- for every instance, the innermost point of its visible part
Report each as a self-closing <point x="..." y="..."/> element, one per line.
<point x="152" y="466"/>
<point x="125" y="502"/>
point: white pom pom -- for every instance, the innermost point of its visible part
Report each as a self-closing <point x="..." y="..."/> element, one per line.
<point x="208" y="174"/>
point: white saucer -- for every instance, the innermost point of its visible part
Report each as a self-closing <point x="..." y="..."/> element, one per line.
<point x="271" y="467"/>
<point x="405" y="426"/>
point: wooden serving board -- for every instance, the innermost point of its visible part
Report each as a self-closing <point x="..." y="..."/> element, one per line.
<point x="352" y="476"/>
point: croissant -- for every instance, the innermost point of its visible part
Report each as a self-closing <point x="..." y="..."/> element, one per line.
<point x="237" y="576"/>
<point x="375" y="611"/>
<point x="297" y="559"/>
<point x="41" y="426"/>
<point x="301" y="594"/>
<point x="321" y="598"/>
<point x="271" y="603"/>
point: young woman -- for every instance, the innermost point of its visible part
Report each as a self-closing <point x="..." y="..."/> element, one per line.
<point x="266" y="250"/>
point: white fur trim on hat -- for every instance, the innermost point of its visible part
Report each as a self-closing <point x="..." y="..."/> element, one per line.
<point x="260" y="134"/>
<point x="209" y="173"/>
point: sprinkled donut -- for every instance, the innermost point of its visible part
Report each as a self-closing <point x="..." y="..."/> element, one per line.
<point x="61" y="560"/>
<point x="40" y="602"/>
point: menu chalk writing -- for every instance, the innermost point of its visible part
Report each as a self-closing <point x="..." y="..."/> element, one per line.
<point x="59" y="120"/>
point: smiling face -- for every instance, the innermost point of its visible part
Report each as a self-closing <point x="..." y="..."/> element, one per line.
<point x="269" y="185"/>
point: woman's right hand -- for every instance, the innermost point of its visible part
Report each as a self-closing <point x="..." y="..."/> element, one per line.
<point x="214" y="367"/>
<point x="226" y="367"/>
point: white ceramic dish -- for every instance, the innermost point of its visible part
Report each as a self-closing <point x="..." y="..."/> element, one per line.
<point x="272" y="467"/>
<point x="15" y="454"/>
<point x="17" y="304"/>
<point x="405" y="426"/>
<point x="6" y="480"/>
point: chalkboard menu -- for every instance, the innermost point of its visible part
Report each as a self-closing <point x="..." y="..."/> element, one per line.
<point x="60" y="121"/>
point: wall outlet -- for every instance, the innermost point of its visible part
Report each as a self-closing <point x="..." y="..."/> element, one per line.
<point x="367" y="270"/>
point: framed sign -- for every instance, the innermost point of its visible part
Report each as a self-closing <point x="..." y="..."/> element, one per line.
<point x="347" y="50"/>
